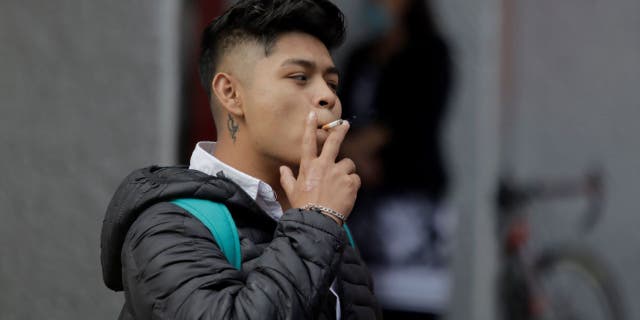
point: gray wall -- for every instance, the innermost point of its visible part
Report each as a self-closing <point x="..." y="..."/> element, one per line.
<point x="474" y="31"/>
<point x="576" y="78"/>
<point x="547" y="89"/>
<point x="80" y="104"/>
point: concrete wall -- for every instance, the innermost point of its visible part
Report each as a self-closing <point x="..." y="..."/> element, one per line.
<point x="575" y="81"/>
<point x="474" y="32"/>
<point x="546" y="89"/>
<point x="81" y="102"/>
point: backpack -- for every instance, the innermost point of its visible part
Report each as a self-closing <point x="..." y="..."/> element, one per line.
<point x="217" y="218"/>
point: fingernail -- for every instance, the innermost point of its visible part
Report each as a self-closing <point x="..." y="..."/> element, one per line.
<point x="312" y="115"/>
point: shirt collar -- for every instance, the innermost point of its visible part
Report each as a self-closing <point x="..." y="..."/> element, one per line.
<point x="202" y="159"/>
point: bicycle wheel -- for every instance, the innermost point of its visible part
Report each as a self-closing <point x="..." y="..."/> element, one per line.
<point x="573" y="286"/>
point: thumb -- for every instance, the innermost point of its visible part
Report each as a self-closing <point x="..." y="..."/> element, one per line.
<point x="287" y="180"/>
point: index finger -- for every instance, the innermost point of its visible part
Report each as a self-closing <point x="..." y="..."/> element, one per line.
<point x="309" y="139"/>
<point x="331" y="147"/>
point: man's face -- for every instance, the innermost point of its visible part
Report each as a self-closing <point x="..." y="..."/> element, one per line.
<point x="298" y="77"/>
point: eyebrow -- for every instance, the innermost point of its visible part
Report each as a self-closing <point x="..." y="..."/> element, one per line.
<point x="307" y="64"/>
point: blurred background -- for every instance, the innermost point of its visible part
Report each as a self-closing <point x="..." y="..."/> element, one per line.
<point x="452" y="101"/>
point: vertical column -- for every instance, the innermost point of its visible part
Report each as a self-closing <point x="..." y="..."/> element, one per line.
<point x="472" y="139"/>
<point x="168" y="25"/>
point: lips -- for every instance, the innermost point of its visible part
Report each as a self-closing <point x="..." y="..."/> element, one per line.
<point x="322" y="124"/>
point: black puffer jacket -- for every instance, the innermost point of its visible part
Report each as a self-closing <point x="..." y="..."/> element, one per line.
<point x="170" y="267"/>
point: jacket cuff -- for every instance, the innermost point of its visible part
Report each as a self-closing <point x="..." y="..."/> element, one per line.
<point x="317" y="221"/>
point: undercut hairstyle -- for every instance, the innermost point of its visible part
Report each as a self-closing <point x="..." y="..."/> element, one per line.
<point x="263" y="21"/>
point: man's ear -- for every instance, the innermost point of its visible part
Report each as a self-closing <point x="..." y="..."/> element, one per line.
<point x="225" y="88"/>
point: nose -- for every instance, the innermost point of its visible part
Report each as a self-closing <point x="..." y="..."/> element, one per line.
<point x="326" y="98"/>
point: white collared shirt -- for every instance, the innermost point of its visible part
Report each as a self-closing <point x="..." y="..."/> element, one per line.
<point x="202" y="159"/>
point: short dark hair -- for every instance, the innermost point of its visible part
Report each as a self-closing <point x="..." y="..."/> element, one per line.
<point x="264" y="21"/>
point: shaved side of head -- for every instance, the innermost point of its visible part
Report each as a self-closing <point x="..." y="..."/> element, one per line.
<point x="239" y="63"/>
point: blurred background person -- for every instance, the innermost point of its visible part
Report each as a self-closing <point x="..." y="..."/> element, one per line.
<point x="395" y="91"/>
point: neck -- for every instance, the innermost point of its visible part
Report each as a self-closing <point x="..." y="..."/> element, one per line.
<point x="254" y="164"/>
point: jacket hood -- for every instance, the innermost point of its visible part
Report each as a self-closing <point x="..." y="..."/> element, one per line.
<point x="145" y="187"/>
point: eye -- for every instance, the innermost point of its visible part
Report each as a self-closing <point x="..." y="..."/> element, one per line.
<point x="299" y="77"/>
<point x="333" y="86"/>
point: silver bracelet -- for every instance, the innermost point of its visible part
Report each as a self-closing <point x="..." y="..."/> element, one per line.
<point x="325" y="210"/>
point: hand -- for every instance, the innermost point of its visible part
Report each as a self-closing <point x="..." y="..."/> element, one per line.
<point x="321" y="180"/>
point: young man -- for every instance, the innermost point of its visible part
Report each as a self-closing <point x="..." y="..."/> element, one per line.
<point x="272" y="82"/>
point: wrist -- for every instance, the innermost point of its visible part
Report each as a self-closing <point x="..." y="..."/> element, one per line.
<point x="336" y="216"/>
<point x="336" y="219"/>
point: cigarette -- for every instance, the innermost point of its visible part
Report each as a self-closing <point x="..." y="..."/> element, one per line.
<point x="332" y="124"/>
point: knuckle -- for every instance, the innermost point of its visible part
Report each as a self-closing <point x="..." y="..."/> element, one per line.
<point x="348" y="164"/>
<point x="351" y="163"/>
<point x="357" y="181"/>
<point x="353" y="183"/>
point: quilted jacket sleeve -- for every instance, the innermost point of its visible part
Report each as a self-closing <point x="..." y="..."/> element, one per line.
<point x="172" y="269"/>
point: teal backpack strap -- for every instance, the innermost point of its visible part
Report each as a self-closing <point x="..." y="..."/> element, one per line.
<point x="353" y="243"/>
<point x="217" y="218"/>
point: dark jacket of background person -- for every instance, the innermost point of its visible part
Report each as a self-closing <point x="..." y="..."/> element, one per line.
<point x="409" y="100"/>
<point x="170" y="266"/>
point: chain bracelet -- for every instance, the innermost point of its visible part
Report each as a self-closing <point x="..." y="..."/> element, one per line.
<point x="325" y="210"/>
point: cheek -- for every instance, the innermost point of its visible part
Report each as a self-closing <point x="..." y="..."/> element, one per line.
<point x="278" y="122"/>
<point x="290" y="133"/>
